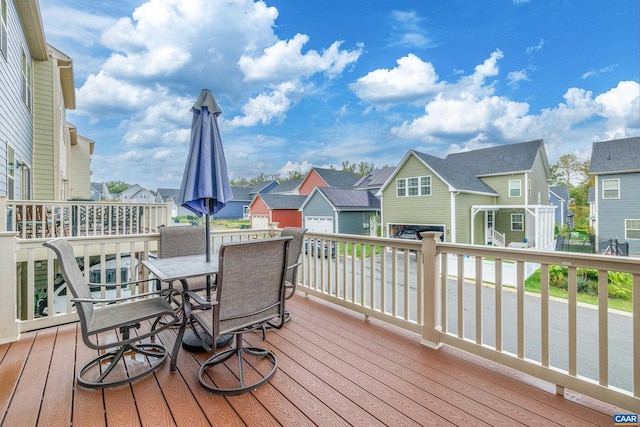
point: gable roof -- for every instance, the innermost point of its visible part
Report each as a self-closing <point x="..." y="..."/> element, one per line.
<point x="561" y="192"/>
<point x="282" y="201"/>
<point x="336" y="178"/>
<point x="290" y="186"/>
<point x="375" y="179"/>
<point x="349" y="199"/>
<point x="462" y="171"/>
<point x="615" y="156"/>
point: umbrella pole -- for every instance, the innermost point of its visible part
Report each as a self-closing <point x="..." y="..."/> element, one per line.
<point x="207" y="246"/>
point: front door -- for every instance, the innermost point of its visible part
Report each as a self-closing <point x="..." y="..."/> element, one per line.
<point x="488" y="235"/>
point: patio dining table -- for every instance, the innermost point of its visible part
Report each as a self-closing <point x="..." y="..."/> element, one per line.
<point x="180" y="268"/>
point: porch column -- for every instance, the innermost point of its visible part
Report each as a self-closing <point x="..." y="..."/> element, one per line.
<point x="8" y="291"/>
<point x="431" y="285"/>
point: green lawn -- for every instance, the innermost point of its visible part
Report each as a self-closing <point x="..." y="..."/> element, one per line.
<point x="532" y="284"/>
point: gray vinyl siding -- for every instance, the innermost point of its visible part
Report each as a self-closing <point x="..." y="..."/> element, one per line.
<point x="15" y="119"/>
<point x="351" y="222"/>
<point x="318" y="206"/>
<point x="539" y="183"/>
<point x="612" y="213"/>
<point x="433" y="209"/>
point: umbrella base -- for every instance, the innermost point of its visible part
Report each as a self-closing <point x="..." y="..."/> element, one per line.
<point x="191" y="342"/>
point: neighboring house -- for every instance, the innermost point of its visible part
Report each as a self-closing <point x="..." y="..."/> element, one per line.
<point x="22" y="42"/>
<point x="374" y="180"/>
<point x="616" y="166"/>
<point x="238" y="206"/>
<point x="488" y="196"/>
<point x="287" y="187"/>
<point x="137" y="194"/>
<point x="61" y="157"/>
<point x="318" y="177"/>
<point x="81" y="153"/>
<point x="340" y="210"/>
<point x="99" y="191"/>
<point x="279" y="208"/>
<point x="36" y="89"/>
<point x="559" y="197"/>
<point x="591" y="199"/>
<point x="170" y="195"/>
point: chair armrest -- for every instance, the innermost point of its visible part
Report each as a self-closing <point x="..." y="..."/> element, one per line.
<point x="163" y="293"/>
<point x="292" y="266"/>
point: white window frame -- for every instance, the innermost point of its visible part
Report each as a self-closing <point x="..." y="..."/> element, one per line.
<point x="4" y="33"/>
<point x="401" y="187"/>
<point x="11" y="173"/>
<point x="246" y="212"/>
<point x="616" y="189"/>
<point x="632" y="229"/>
<point x="512" y="188"/>
<point x="413" y="186"/>
<point x="27" y="80"/>
<point x="513" y="222"/>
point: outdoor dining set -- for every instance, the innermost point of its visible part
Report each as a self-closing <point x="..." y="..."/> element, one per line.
<point x="215" y="302"/>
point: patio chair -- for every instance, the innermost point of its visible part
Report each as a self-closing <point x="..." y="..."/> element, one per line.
<point x="98" y="316"/>
<point x="182" y="241"/>
<point x="250" y="292"/>
<point x="295" y="248"/>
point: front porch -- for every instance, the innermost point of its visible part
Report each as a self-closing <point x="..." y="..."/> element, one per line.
<point x="335" y="368"/>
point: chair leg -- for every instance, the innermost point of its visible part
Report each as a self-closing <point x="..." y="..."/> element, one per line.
<point x="155" y="354"/>
<point x="238" y="351"/>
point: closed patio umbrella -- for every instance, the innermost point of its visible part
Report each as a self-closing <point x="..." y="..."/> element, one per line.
<point x="205" y="187"/>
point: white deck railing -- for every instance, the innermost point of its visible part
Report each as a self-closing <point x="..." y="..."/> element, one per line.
<point x="400" y="282"/>
<point x="46" y="219"/>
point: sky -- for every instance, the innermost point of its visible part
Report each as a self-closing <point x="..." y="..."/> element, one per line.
<point x="306" y="84"/>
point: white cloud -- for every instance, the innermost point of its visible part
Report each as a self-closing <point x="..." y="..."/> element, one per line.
<point x="411" y="80"/>
<point x="481" y="116"/>
<point x="407" y="29"/>
<point x="291" y="167"/>
<point x="284" y="60"/>
<point x="514" y="77"/>
<point x="532" y="49"/>
<point x="596" y="72"/>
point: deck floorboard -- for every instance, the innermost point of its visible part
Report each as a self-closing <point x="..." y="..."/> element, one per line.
<point x="334" y="368"/>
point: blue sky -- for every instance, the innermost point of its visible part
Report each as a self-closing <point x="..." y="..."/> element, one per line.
<point x="304" y="83"/>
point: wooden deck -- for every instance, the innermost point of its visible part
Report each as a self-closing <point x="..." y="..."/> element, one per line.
<point x="334" y="369"/>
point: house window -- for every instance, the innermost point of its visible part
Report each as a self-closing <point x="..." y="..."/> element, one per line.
<point x="515" y="186"/>
<point x="517" y="222"/>
<point x="529" y="188"/>
<point x="26" y="80"/>
<point x="401" y="187"/>
<point x="246" y="212"/>
<point x="425" y="185"/>
<point x="414" y="186"/>
<point x="3" y="29"/>
<point x="610" y="188"/>
<point x="632" y="229"/>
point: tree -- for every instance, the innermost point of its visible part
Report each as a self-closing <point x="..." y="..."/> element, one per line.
<point x="565" y="171"/>
<point x="117" y="187"/>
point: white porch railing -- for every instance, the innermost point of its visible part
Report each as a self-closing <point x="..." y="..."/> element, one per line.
<point x="400" y="282"/>
<point x="497" y="238"/>
<point x="46" y="219"/>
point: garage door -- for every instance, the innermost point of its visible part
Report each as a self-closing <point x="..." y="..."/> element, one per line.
<point x="319" y="224"/>
<point x="259" y="221"/>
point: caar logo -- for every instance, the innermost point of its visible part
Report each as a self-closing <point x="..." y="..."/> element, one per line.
<point x="625" y="419"/>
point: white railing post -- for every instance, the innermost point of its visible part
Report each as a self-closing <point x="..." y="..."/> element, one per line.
<point x="3" y="213"/>
<point x="432" y="295"/>
<point x="8" y="291"/>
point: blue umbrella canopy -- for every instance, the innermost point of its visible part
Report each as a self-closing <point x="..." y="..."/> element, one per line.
<point x="205" y="187"/>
